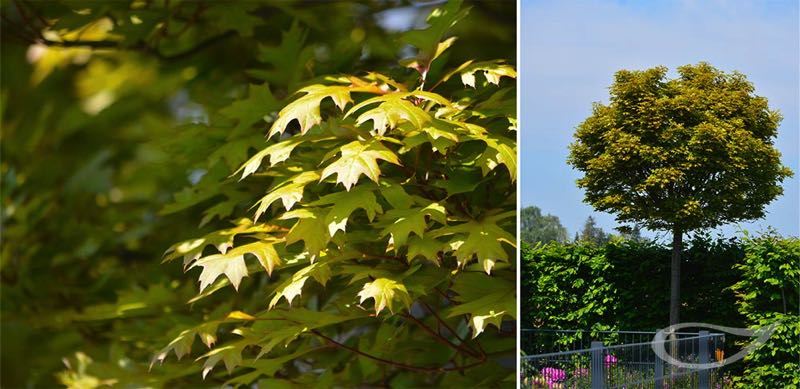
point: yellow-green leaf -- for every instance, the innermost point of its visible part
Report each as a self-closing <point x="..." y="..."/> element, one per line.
<point x="385" y="291"/>
<point x="359" y="157"/>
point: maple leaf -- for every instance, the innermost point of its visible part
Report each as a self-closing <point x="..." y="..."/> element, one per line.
<point x="306" y="108"/>
<point x="427" y="248"/>
<point x="222" y="240"/>
<point x="345" y="203"/>
<point x="440" y="134"/>
<point x="395" y="195"/>
<point x="232" y="265"/>
<point x="234" y="18"/>
<point x="310" y="228"/>
<point x="395" y="109"/>
<point x="403" y="222"/>
<point x="277" y="153"/>
<point x="289" y="192"/>
<point x="428" y="40"/>
<point x="230" y="355"/>
<point x="264" y="251"/>
<point x="293" y="287"/>
<point x="479" y="239"/>
<point x="288" y="60"/>
<point x="384" y="291"/>
<point x="181" y="346"/>
<point x="492" y="70"/>
<point x="499" y="151"/>
<point x="485" y="298"/>
<point x="259" y="103"/>
<point x="359" y="157"/>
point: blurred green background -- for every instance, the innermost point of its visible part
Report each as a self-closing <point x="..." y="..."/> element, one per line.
<point x="114" y="144"/>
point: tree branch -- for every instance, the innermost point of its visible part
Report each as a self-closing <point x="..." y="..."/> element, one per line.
<point x="441" y="339"/>
<point x="394" y="363"/>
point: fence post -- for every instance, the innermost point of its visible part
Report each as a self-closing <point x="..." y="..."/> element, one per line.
<point x="704" y="384"/>
<point x="597" y="370"/>
<point x="659" y="373"/>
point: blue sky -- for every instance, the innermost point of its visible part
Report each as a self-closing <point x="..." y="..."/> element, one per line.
<point x="570" y="50"/>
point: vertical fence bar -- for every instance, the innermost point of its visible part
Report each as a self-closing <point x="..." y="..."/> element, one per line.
<point x="598" y="375"/>
<point x="703" y="353"/>
<point x="658" y="373"/>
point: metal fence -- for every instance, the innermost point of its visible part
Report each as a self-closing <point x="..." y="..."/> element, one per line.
<point x="630" y="363"/>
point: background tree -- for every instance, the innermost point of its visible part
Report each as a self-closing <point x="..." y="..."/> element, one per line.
<point x="592" y="233"/>
<point x="680" y="154"/>
<point x="540" y="228"/>
<point x="139" y="112"/>
<point x="633" y="233"/>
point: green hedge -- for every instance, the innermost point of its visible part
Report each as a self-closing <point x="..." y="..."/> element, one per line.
<point x="769" y="292"/>
<point x="625" y="285"/>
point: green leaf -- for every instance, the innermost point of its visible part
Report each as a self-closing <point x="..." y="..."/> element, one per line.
<point x="306" y="108"/>
<point x="289" y="192"/>
<point x="384" y="291"/>
<point x="258" y="104"/>
<point x="427" y="248"/>
<point x="429" y="40"/>
<point x="222" y="240"/>
<point x="230" y="355"/>
<point x="234" y="18"/>
<point x="492" y="70"/>
<point x="293" y="287"/>
<point x="289" y="61"/>
<point x="499" y="151"/>
<point x="485" y="299"/>
<point x="277" y="153"/>
<point x="482" y="241"/>
<point x="345" y="203"/>
<point x="264" y="251"/>
<point x="181" y="345"/>
<point x="393" y="110"/>
<point x="403" y="222"/>
<point x="357" y="158"/>
<point x="310" y="228"/>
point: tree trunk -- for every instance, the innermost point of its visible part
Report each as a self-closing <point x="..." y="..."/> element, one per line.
<point x="675" y="281"/>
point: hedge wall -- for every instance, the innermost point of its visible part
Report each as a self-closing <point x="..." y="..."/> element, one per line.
<point x="769" y="292"/>
<point x="625" y="285"/>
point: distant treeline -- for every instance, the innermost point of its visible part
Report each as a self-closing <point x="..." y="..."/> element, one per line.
<point x="541" y="228"/>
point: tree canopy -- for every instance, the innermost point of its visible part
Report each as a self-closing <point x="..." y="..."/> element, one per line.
<point x="340" y="191"/>
<point x="691" y="152"/>
<point x="682" y="154"/>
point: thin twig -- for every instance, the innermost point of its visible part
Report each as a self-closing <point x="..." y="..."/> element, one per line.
<point x="441" y="339"/>
<point x="394" y="363"/>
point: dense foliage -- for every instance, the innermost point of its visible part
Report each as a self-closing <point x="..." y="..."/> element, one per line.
<point x="680" y="155"/>
<point x="386" y="192"/>
<point x="752" y="282"/>
<point x="688" y="153"/>
<point x="769" y="294"/>
<point x="624" y="285"/>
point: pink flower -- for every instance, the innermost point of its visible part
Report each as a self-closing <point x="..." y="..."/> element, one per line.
<point x="553" y="375"/>
<point x="610" y="360"/>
